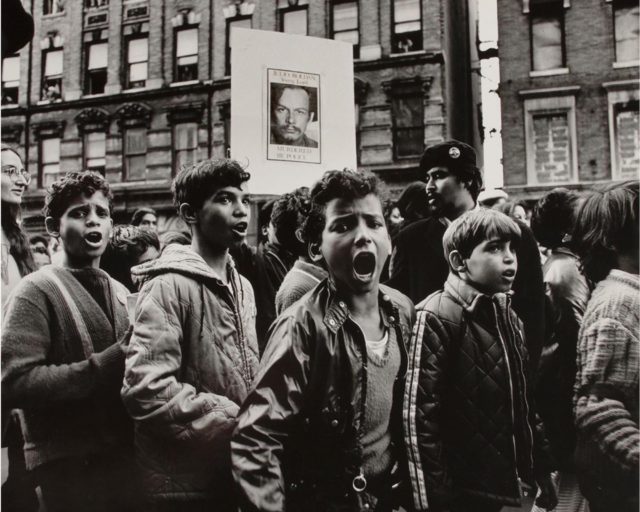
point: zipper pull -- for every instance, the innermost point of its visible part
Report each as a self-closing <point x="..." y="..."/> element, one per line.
<point x="359" y="483"/>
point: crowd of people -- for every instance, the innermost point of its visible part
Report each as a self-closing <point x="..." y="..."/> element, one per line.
<point x="429" y="354"/>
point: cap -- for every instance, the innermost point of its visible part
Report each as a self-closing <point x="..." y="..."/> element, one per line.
<point x="451" y="153"/>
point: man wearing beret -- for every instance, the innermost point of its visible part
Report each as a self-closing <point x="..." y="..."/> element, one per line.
<point x="418" y="266"/>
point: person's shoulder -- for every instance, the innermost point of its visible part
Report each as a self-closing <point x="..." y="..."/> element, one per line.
<point x="398" y="298"/>
<point x="441" y="305"/>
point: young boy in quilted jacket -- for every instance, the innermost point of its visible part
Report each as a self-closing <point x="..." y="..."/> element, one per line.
<point x="468" y="408"/>
<point x="193" y="353"/>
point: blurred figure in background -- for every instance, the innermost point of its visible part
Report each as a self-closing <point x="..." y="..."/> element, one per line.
<point x="567" y="295"/>
<point x="515" y="209"/>
<point x="413" y="204"/>
<point x="145" y="218"/>
<point x="40" y="250"/>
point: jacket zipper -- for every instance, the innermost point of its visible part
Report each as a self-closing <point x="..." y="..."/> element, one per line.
<point x="524" y="393"/>
<point x="236" y="313"/>
<point x="513" y="421"/>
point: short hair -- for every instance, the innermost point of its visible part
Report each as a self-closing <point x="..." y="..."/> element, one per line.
<point x="553" y="217"/>
<point x="73" y="185"/>
<point x="476" y="226"/>
<point x="345" y="184"/>
<point x="137" y="216"/>
<point x="606" y="224"/>
<point x="278" y="89"/>
<point x="413" y="203"/>
<point x="126" y="245"/>
<point x="285" y="217"/>
<point x="195" y="184"/>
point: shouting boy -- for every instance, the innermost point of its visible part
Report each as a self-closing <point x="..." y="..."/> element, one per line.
<point x="468" y="407"/>
<point x="193" y="353"/>
<point x="321" y="430"/>
<point x="62" y="362"/>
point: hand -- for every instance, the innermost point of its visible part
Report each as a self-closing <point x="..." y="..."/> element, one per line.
<point x="548" y="498"/>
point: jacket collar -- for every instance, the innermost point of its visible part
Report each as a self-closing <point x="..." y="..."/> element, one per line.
<point x="469" y="297"/>
<point x="337" y="311"/>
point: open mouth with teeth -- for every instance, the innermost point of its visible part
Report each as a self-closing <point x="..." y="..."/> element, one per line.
<point x="364" y="265"/>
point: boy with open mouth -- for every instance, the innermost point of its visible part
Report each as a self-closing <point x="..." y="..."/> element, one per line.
<point x="321" y="430"/>
<point x="62" y="361"/>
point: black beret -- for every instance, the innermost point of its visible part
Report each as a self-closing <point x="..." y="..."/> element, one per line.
<point x="449" y="154"/>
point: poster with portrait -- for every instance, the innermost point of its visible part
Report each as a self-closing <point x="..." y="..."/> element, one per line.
<point x="294" y="123"/>
<point x="292" y="108"/>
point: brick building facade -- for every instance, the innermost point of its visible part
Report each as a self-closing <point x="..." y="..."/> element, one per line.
<point x="136" y="88"/>
<point x="569" y="93"/>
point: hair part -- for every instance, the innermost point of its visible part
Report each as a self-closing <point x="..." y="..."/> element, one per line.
<point x="195" y="184"/>
<point x="477" y="226"/>
<point x="553" y="217"/>
<point x="346" y="184"/>
<point x="606" y="225"/>
<point x="73" y="185"/>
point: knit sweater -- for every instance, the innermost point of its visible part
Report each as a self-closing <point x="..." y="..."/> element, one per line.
<point x="302" y="278"/>
<point x="606" y="391"/>
<point x="63" y="364"/>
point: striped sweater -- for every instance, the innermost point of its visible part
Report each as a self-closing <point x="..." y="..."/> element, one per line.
<point x="606" y="390"/>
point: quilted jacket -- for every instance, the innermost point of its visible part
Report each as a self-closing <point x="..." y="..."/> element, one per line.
<point x="468" y="410"/>
<point x="191" y="361"/>
<point x="297" y="443"/>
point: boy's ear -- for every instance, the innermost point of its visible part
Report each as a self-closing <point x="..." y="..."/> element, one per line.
<point x="314" y="252"/>
<point x="298" y="234"/>
<point x="188" y="213"/>
<point x="456" y="261"/>
<point x="53" y="226"/>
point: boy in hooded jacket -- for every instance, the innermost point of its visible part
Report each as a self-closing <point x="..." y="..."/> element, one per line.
<point x="193" y="353"/>
<point x="469" y="416"/>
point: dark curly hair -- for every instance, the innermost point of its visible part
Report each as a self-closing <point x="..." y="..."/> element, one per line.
<point x="553" y="217"/>
<point x="285" y="218"/>
<point x="127" y="244"/>
<point x="71" y="186"/>
<point x="195" y="184"/>
<point x="345" y="184"/>
<point x="606" y="225"/>
<point x="136" y="218"/>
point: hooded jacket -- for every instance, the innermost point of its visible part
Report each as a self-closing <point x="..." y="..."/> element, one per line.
<point x="190" y="364"/>
<point x="470" y="424"/>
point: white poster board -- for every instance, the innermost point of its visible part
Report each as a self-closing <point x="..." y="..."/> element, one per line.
<point x="292" y="108"/>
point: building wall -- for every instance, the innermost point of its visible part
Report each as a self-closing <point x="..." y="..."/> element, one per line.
<point x="440" y="72"/>
<point x="590" y="57"/>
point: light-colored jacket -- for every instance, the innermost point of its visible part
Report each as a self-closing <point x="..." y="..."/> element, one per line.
<point x="191" y="361"/>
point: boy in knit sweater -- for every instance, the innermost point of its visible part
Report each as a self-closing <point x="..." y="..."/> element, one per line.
<point x="605" y="237"/>
<point x="62" y="359"/>
<point x="468" y="409"/>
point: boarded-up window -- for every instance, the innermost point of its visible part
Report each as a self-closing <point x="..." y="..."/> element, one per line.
<point x="135" y="153"/>
<point x="408" y="136"/>
<point x="627" y="140"/>
<point x="552" y="148"/>
<point x="95" y="151"/>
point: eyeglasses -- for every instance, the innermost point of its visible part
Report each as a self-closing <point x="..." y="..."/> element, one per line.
<point x="13" y="173"/>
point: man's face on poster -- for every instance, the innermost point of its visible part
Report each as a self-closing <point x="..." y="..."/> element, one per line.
<point x="291" y="116"/>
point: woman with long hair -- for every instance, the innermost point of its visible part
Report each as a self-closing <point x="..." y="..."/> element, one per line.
<point x="17" y="260"/>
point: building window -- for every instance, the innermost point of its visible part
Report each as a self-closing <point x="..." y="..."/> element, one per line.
<point x="344" y="18"/>
<point x="293" y="18"/>
<point x="95" y="150"/>
<point x="627" y="141"/>
<point x="95" y="78"/>
<point x="52" y="6"/>
<point x="52" y="74"/>
<point x="10" y="79"/>
<point x="626" y="14"/>
<point x="237" y="21"/>
<point x="50" y="160"/>
<point x="550" y="131"/>
<point x="407" y="26"/>
<point x="408" y="125"/>
<point x="186" y="57"/>
<point x="137" y="62"/>
<point x="547" y="36"/>
<point x="185" y="144"/>
<point x="135" y="153"/>
<point x="90" y="4"/>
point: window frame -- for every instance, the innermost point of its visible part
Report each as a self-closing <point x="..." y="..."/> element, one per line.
<point x="85" y="158"/>
<point x="88" y="73"/>
<point x="552" y="7"/>
<point x="175" y="151"/>
<point x="395" y="34"/>
<point x="618" y="93"/>
<point x="56" y="78"/>
<point x="127" y="64"/>
<point x="550" y="105"/>
<point x="17" y="87"/>
<point x="397" y="96"/>
<point x="42" y="163"/>
<point x="283" y="11"/>
<point x="334" y="3"/>
<point x="229" y="21"/>
<point x="176" y="66"/>
<point x="614" y="5"/>
<point x="125" y="166"/>
<point x="47" y="7"/>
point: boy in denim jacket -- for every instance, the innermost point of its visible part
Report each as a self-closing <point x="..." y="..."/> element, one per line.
<point x="468" y="409"/>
